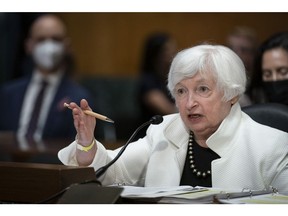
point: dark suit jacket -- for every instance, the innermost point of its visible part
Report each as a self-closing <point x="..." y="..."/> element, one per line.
<point x="59" y="123"/>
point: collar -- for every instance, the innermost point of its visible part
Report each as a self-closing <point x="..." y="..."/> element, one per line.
<point x="176" y="132"/>
<point x="224" y="136"/>
<point x="52" y="79"/>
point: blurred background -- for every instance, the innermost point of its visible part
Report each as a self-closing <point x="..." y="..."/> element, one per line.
<point x="110" y="44"/>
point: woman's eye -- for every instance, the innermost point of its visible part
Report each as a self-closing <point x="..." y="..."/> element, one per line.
<point x="266" y="74"/>
<point x="203" y="91"/>
<point x="180" y="92"/>
<point x="283" y="71"/>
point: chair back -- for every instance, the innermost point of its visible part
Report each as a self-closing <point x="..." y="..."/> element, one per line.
<point x="271" y="114"/>
<point x="115" y="97"/>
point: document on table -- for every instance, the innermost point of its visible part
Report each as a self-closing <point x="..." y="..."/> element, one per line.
<point x="202" y="196"/>
<point x="259" y="199"/>
<point x="189" y="194"/>
<point x="156" y="192"/>
<point x="217" y="195"/>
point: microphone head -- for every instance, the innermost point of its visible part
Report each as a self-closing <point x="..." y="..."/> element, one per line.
<point x="157" y="119"/>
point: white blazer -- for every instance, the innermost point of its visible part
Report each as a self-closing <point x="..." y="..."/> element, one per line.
<point x="251" y="155"/>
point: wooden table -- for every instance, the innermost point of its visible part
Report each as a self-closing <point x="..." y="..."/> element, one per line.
<point x="14" y="150"/>
<point x="34" y="183"/>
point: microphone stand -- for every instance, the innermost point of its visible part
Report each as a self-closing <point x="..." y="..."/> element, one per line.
<point x="102" y="169"/>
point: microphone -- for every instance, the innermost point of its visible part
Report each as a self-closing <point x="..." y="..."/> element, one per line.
<point x="154" y="120"/>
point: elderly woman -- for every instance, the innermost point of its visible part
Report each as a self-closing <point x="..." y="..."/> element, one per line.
<point x="211" y="142"/>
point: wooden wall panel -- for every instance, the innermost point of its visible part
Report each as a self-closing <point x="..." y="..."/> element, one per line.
<point x="111" y="43"/>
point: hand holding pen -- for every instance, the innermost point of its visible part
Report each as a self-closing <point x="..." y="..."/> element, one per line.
<point x="91" y="113"/>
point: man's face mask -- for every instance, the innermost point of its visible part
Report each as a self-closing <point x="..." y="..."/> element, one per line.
<point x="48" y="54"/>
<point x="277" y="91"/>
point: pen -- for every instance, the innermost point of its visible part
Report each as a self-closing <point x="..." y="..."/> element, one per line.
<point x="96" y="115"/>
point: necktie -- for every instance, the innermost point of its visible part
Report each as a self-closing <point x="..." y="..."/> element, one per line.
<point x="36" y="111"/>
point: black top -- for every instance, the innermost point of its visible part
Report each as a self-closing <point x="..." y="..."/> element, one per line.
<point x="203" y="158"/>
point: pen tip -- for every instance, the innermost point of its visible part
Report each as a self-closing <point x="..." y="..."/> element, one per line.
<point x="109" y="120"/>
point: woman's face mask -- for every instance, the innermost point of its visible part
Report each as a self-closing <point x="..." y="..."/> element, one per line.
<point x="48" y="54"/>
<point x="277" y="91"/>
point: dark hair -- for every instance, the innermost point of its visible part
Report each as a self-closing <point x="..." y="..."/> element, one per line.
<point x="152" y="50"/>
<point x="279" y="40"/>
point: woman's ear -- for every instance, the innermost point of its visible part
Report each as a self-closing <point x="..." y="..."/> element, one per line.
<point x="234" y="100"/>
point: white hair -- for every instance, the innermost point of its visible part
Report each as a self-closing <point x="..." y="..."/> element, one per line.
<point x="226" y="67"/>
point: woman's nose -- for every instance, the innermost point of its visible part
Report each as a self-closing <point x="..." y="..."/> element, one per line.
<point x="274" y="76"/>
<point x="191" y="101"/>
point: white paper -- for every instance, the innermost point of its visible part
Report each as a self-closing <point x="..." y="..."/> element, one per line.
<point x="153" y="192"/>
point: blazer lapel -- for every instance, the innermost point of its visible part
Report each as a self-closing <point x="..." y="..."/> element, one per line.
<point x="178" y="135"/>
<point x="168" y="162"/>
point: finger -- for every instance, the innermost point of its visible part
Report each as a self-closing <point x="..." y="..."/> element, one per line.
<point x="76" y="122"/>
<point x="76" y="110"/>
<point x="73" y="105"/>
<point x="84" y="105"/>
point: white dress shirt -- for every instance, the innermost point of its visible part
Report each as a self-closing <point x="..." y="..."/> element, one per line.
<point x="30" y="99"/>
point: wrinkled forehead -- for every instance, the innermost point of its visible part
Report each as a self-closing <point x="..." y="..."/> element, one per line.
<point x="203" y="75"/>
<point x="200" y="78"/>
<point x="205" y="70"/>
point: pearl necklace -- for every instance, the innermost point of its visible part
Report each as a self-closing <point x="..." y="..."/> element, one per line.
<point x="198" y="173"/>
